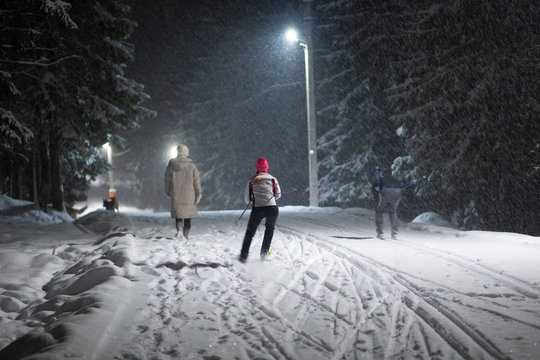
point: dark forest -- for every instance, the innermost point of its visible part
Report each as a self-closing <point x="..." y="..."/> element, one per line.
<point x="445" y="90"/>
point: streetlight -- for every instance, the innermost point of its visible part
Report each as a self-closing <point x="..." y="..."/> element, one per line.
<point x="111" y="203"/>
<point x="108" y="148"/>
<point x="172" y="151"/>
<point x="292" y="36"/>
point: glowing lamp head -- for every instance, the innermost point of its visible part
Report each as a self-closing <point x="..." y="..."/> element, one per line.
<point x="291" y="35"/>
<point x="172" y="151"/>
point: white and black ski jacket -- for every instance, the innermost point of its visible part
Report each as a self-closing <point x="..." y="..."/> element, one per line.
<point x="263" y="189"/>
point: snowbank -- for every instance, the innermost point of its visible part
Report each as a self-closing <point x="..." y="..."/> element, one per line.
<point x="104" y="221"/>
<point x="7" y="202"/>
<point x="431" y="218"/>
<point x="14" y="211"/>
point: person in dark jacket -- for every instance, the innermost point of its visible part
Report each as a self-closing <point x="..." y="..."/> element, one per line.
<point x="262" y="190"/>
<point x="387" y="195"/>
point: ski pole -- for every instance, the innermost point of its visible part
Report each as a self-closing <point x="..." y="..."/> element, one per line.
<point x="243" y="212"/>
<point x="285" y="193"/>
<point x="288" y="192"/>
<point x="413" y="182"/>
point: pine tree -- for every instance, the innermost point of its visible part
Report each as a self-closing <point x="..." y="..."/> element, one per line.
<point x="468" y="108"/>
<point x="70" y="59"/>
<point x="357" y="48"/>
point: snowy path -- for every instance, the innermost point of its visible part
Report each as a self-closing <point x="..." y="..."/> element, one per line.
<point x="319" y="299"/>
<point x="329" y="291"/>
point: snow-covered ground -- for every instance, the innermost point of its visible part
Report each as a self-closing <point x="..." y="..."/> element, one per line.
<point x="121" y="286"/>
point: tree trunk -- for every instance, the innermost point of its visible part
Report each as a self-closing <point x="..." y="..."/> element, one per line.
<point x="11" y="176"/>
<point x="34" y="174"/>
<point x="44" y="172"/>
<point x="20" y="182"/>
<point x="57" y="192"/>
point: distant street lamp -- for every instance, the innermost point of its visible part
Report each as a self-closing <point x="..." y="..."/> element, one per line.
<point x="292" y="36"/>
<point x="108" y="148"/>
<point x="172" y="153"/>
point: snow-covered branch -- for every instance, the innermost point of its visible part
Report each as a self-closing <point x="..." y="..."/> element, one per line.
<point x="41" y="64"/>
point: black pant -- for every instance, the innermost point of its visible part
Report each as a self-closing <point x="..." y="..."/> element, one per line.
<point x="388" y="198"/>
<point x="187" y="224"/>
<point x="257" y="214"/>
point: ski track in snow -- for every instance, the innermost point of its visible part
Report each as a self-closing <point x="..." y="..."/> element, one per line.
<point x="371" y="309"/>
<point x="464" y="338"/>
<point x="315" y="298"/>
<point x="526" y="289"/>
<point x="424" y="307"/>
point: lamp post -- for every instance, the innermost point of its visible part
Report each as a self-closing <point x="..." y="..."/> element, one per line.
<point x="108" y="148"/>
<point x="291" y="35"/>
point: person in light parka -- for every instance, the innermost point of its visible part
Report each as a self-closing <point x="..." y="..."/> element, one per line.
<point x="183" y="185"/>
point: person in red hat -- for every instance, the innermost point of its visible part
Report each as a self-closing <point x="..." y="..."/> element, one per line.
<point x="262" y="191"/>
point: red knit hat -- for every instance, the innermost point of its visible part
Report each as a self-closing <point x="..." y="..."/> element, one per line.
<point x="261" y="165"/>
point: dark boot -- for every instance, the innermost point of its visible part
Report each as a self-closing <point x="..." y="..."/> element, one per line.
<point x="267" y="240"/>
<point x="269" y="233"/>
<point x="185" y="232"/>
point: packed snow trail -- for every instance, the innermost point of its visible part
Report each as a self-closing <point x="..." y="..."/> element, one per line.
<point x="328" y="291"/>
<point x="319" y="299"/>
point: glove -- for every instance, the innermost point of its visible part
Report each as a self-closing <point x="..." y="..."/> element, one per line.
<point x="198" y="198"/>
<point x="377" y="188"/>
